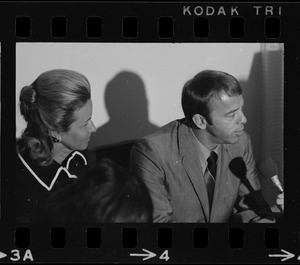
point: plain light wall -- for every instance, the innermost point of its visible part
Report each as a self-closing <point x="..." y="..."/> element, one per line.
<point x="162" y="67"/>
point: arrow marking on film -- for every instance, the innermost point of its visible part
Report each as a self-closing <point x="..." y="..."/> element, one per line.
<point x="2" y="255"/>
<point x="285" y="256"/>
<point x="147" y="255"/>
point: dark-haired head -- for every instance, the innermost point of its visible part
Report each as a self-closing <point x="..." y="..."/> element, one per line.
<point x="107" y="194"/>
<point x="198" y="92"/>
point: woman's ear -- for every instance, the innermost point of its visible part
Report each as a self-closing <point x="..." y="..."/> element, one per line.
<point x="199" y="121"/>
<point x="56" y="137"/>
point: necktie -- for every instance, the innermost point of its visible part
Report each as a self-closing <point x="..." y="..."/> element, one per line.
<point x="210" y="176"/>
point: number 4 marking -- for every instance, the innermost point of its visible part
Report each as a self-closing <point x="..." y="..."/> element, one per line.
<point x="165" y="255"/>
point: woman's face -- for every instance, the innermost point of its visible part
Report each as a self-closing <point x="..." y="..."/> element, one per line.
<point x="78" y="136"/>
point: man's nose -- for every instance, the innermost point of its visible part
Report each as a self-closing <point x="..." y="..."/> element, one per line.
<point x="243" y="117"/>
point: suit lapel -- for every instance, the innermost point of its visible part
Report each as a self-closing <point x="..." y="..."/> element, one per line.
<point x="191" y="164"/>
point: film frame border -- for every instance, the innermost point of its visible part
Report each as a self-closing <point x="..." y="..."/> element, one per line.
<point x="111" y="14"/>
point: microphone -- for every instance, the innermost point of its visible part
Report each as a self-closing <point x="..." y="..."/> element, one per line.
<point x="268" y="169"/>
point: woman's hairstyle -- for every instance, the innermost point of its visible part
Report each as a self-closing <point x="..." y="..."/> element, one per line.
<point x="198" y="91"/>
<point x="48" y="105"/>
<point x="107" y="194"/>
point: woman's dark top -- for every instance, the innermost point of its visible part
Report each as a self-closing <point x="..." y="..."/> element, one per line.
<point x="34" y="183"/>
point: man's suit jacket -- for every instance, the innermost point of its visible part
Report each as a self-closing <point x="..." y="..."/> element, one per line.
<point x="170" y="167"/>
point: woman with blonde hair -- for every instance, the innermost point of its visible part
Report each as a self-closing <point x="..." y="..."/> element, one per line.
<point x="57" y="107"/>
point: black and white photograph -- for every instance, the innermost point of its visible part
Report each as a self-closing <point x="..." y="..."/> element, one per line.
<point x="124" y="132"/>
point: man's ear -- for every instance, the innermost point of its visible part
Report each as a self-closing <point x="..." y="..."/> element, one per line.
<point x="199" y="121"/>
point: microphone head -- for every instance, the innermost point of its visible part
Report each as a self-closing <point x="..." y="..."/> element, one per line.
<point x="267" y="168"/>
<point x="238" y="168"/>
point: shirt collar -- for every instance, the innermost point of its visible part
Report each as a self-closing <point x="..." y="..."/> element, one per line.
<point x="51" y="173"/>
<point x="202" y="151"/>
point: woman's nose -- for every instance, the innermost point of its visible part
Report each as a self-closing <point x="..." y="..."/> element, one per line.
<point x="92" y="127"/>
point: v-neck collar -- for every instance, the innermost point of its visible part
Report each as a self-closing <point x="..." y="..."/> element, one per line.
<point x="50" y="173"/>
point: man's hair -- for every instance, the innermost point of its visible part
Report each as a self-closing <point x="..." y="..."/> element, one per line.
<point x="198" y="91"/>
<point x="107" y="194"/>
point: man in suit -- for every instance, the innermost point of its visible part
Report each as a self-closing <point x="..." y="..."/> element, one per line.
<point x="201" y="168"/>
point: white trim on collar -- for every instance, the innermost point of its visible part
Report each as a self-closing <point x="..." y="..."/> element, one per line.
<point x="72" y="156"/>
<point x="57" y="172"/>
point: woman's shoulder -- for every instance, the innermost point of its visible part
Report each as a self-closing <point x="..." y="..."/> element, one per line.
<point x="76" y="163"/>
<point x="30" y="174"/>
<point x="21" y="156"/>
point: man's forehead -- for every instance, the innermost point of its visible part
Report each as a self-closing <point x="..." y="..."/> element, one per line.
<point x="226" y="101"/>
<point x="224" y="97"/>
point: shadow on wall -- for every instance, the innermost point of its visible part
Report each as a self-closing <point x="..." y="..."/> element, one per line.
<point x="263" y="96"/>
<point x="251" y="94"/>
<point x="253" y="111"/>
<point x="127" y="107"/>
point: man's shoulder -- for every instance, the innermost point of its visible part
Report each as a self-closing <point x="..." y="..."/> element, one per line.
<point x="165" y="132"/>
<point x="164" y="140"/>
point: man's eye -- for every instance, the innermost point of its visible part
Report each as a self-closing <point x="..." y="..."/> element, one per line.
<point x="231" y="115"/>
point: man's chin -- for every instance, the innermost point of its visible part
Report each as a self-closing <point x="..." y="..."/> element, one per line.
<point x="233" y="140"/>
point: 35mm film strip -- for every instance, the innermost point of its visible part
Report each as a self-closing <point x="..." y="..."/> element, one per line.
<point x="137" y="57"/>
